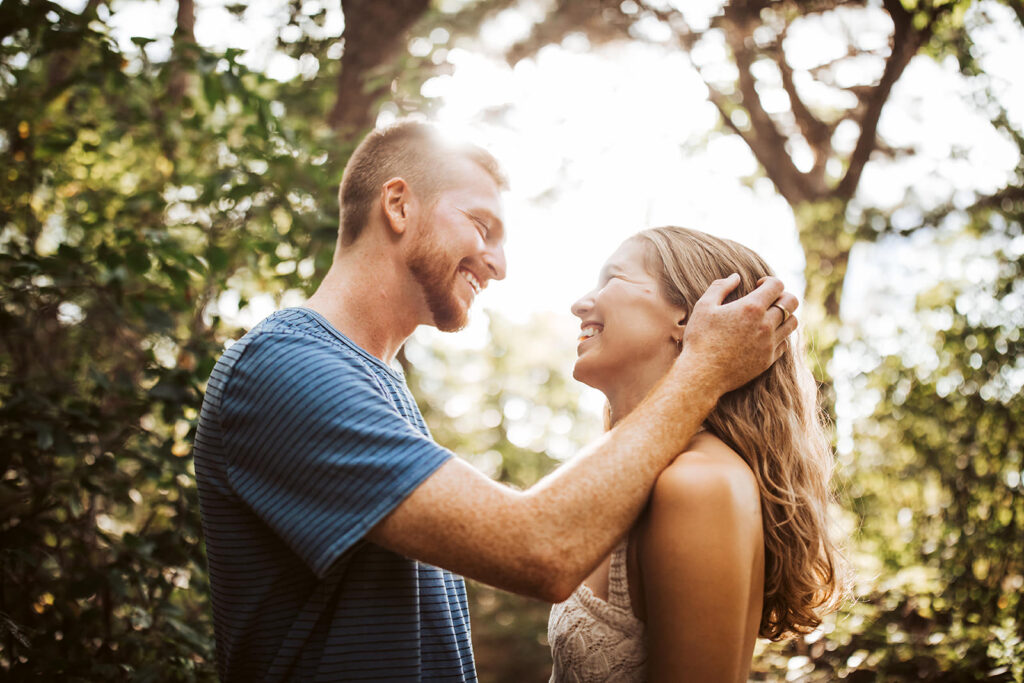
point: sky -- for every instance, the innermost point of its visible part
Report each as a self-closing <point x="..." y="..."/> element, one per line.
<point x="602" y="142"/>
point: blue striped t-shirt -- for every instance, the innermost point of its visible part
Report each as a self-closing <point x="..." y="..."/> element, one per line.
<point x="305" y="442"/>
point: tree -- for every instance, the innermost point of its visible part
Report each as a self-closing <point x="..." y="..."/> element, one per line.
<point x="935" y="484"/>
<point x="813" y="150"/>
<point x="136" y="193"/>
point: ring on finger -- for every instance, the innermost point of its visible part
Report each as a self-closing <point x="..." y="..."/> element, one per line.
<point x="785" y="313"/>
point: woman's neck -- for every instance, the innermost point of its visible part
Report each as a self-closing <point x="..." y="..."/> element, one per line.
<point x="627" y="395"/>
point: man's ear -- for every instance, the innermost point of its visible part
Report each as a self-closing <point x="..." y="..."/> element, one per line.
<point x="396" y="202"/>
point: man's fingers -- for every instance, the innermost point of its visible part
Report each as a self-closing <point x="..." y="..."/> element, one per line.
<point x="720" y="289"/>
<point x="789" y="302"/>
<point x="784" y="331"/>
<point x="782" y="308"/>
<point x="781" y="349"/>
<point x="767" y="292"/>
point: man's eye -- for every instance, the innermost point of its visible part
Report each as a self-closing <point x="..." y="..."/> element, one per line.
<point x="480" y="225"/>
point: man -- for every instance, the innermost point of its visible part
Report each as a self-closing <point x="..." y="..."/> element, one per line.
<point x="329" y="512"/>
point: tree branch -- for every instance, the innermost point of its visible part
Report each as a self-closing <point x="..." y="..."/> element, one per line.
<point x="906" y="41"/>
<point x="997" y="200"/>
<point x="1018" y="9"/>
<point x="817" y="133"/>
<point x="812" y="127"/>
<point x="722" y="103"/>
<point x="767" y="143"/>
<point x="601" y="20"/>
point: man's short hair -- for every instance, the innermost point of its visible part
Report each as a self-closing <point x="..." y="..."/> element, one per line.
<point x="412" y="150"/>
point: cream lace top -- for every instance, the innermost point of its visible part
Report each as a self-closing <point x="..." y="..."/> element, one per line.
<point x="595" y="641"/>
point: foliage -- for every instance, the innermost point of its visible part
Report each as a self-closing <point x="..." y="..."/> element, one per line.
<point x="124" y="216"/>
<point x="935" y="484"/>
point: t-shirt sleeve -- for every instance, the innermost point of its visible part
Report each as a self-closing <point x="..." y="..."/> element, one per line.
<point x="315" y="447"/>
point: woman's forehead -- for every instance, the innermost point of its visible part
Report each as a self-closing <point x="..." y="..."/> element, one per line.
<point x="630" y="252"/>
<point x="633" y="255"/>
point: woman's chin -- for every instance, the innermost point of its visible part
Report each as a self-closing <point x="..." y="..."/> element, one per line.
<point x="581" y="372"/>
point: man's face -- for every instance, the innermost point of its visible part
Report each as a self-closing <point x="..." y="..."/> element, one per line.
<point x="458" y="247"/>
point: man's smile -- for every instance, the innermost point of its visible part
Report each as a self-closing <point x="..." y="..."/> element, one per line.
<point x="471" y="279"/>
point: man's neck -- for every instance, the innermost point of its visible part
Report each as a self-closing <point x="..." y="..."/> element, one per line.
<point x="367" y="299"/>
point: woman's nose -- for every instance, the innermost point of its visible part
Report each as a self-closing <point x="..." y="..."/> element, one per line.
<point x="583" y="305"/>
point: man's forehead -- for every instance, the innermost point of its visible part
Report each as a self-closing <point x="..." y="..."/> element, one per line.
<point x="477" y="193"/>
<point x="462" y="170"/>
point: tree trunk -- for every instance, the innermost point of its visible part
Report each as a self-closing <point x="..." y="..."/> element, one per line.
<point x="826" y="242"/>
<point x="184" y="43"/>
<point x="374" y="33"/>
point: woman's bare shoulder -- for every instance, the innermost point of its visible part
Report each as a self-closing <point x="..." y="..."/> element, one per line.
<point x="708" y="476"/>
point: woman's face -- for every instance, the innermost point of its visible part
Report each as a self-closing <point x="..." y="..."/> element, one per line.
<point x="628" y="329"/>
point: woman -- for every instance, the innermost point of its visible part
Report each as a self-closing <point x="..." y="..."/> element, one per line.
<point x="733" y="543"/>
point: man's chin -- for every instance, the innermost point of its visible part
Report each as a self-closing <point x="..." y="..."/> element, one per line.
<point x="452" y="326"/>
<point x="451" y="318"/>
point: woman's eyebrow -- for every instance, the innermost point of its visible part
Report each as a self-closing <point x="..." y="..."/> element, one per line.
<point x="609" y="270"/>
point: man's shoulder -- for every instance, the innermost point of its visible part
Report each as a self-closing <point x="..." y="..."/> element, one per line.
<point x="290" y="343"/>
<point x="289" y="323"/>
<point x="294" y="335"/>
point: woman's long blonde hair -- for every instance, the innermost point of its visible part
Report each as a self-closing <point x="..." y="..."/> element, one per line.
<point x="773" y="423"/>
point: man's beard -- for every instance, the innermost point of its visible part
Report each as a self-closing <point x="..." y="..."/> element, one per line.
<point x="429" y="265"/>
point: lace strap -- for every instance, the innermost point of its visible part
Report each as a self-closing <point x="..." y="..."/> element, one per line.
<point x="618" y="581"/>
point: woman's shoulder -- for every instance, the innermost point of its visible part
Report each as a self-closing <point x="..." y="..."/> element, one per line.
<point x="708" y="477"/>
<point x="702" y="526"/>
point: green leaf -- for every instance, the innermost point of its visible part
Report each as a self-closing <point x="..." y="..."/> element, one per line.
<point x="137" y="258"/>
<point x="217" y="258"/>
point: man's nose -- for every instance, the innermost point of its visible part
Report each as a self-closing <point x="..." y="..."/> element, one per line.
<point x="495" y="260"/>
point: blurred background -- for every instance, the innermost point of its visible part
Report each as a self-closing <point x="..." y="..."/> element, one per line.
<point x="168" y="176"/>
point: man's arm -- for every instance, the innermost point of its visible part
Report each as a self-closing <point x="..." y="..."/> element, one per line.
<point x="544" y="541"/>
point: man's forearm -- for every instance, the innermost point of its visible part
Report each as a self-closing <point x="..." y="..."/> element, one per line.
<point x="544" y="541"/>
<point x="586" y="505"/>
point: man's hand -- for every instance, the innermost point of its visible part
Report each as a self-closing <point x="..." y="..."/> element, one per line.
<point x="739" y="340"/>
